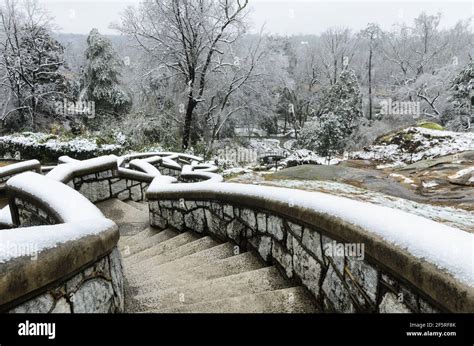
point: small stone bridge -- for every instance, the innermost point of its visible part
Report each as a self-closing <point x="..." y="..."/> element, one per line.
<point x="162" y="232"/>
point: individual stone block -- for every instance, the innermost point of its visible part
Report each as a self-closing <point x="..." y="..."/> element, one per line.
<point x="296" y="229"/>
<point x="118" y="186"/>
<point x="94" y="296"/>
<point x="262" y="222"/>
<point x="334" y="290"/>
<point x="62" y="307"/>
<point x="362" y="280"/>
<point x="391" y="304"/>
<point x="265" y="247"/>
<point x="216" y="209"/>
<point x="248" y="216"/>
<point x="228" y="211"/>
<point x="41" y="304"/>
<point x="235" y="229"/>
<point x="159" y="221"/>
<point x="190" y="205"/>
<point x="306" y="268"/>
<point x="280" y="254"/>
<point x="116" y="274"/>
<point x="95" y="191"/>
<point x="275" y="227"/>
<point x="332" y="254"/>
<point x="136" y="193"/>
<point x="195" y="220"/>
<point x="312" y="241"/>
<point x="177" y="220"/>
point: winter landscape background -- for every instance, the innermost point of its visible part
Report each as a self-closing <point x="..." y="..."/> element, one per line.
<point x="365" y="105"/>
<point x="215" y="156"/>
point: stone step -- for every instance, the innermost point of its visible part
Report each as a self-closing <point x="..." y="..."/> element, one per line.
<point x="140" y="236"/>
<point x="138" y="270"/>
<point x="172" y="268"/>
<point x="147" y="243"/>
<point x="129" y="219"/>
<point x="159" y="249"/>
<point x="143" y="206"/>
<point x="218" y="268"/>
<point x="287" y="300"/>
<point x="251" y="282"/>
<point x="197" y="259"/>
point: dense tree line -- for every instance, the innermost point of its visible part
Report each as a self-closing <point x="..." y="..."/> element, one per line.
<point x="194" y="75"/>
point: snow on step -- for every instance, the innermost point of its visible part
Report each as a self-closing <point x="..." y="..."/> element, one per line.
<point x="287" y="300"/>
<point x="250" y="282"/>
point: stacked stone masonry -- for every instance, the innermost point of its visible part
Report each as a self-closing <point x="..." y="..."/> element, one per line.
<point x="97" y="289"/>
<point x="339" y="283"/>
<point x="107" y="184"/>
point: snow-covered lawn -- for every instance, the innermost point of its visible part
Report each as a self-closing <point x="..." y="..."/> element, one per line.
<point x="451" y="216"/>
<point x="415" y="144"/>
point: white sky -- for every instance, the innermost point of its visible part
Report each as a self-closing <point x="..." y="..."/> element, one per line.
<point x="279" y="16"/>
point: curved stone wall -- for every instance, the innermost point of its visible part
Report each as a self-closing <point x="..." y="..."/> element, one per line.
<point x="67" y="261"/>
<point x="314" y="248"/>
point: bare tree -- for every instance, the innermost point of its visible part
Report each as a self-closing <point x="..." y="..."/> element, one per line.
<point x="190" y="38"/>
<point x="371" y="33"/>
<point x="30" y="61"/>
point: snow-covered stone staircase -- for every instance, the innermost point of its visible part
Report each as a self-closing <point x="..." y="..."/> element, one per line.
<point x="167" y="271"/>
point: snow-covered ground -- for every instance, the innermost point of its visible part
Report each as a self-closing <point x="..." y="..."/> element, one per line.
<point x="415" y="143"/>
<point x="451" y="216"/>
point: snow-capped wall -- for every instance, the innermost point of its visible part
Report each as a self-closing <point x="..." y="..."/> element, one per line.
<point x="61" y="234"/>
<point x="352" y="256"/>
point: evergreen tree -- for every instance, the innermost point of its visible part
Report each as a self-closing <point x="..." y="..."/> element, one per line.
<point x="101" y="76"/>
<point x="325" y="136"/>
<point x="343" y="99"/>
<point x="462" y="87"/>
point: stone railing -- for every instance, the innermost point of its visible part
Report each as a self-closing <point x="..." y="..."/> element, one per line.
<point x="101" y="178"/>
<point x="169" y="164"/>
<point x="352" y="256"/>
<point x="63" y="257"/>
<point x="13" y="169"/>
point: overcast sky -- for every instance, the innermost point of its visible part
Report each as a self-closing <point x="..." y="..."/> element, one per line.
<point x="278" y="16"/>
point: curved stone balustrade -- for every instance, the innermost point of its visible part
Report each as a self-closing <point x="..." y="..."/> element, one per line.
<point x="66" y="260"/>
<point x="407" y="263"/>
<point x="9" y="171"/>
<point x="200" y="173"/>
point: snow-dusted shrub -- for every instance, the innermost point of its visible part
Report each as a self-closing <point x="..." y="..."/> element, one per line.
<point x="325" y="136"/>
<point x="48" y="148"/>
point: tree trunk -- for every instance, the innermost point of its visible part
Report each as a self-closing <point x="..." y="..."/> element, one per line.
<point x="370" y="84"/>
<point x="187" y="122"/>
